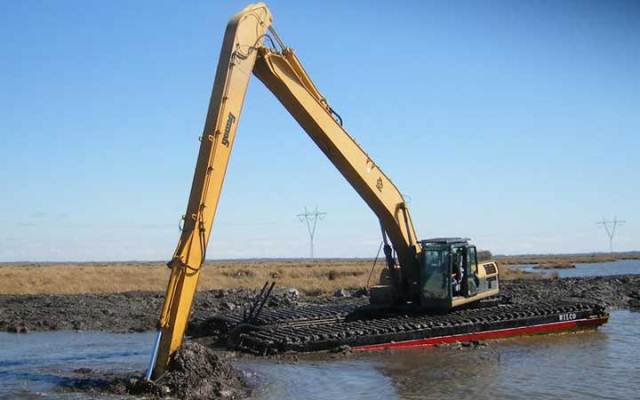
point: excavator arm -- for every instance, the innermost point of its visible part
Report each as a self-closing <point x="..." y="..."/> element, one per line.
<point x="283" y="74"/>
<point x="242" y="54"/>
<point x="242" y="37"/>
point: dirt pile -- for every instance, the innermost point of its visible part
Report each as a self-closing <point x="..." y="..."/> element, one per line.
<point x="614" y="291"/>
<point x="196" y="373"/>
<point x="117" y="312"/>
<point x="558" y="265"/>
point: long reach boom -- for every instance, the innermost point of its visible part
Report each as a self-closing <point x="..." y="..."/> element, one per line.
<point x="243" y="53"/>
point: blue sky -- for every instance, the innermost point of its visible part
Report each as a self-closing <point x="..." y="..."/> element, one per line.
<point x="516" y="124"/>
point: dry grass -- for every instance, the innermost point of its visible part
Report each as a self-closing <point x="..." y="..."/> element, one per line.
<point x="318" y="277"/>
<point x="507" y="274"/>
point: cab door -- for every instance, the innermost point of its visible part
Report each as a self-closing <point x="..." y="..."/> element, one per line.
<point x="471" y="271"/>
<point x="435" y="278"/>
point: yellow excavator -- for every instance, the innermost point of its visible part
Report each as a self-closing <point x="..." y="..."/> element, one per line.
<point x="432" y="274"/>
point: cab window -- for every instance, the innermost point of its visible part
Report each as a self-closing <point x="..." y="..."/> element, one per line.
<point x="435" y="272"/>
<point x="472" y="260"/>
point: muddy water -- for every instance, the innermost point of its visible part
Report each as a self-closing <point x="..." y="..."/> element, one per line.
<point x="602" y="364"/>
<point x="620" y="267"/>
<point x="596" y="364"/>
<point x="39" y="364"/>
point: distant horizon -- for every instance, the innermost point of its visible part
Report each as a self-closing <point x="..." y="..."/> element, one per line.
<point x="630" y="252"/>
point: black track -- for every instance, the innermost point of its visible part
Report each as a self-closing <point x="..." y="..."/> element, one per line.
<point x="325" y="327"/>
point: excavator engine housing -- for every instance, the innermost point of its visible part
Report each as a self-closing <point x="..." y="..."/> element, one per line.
<point x="449" y="275"/>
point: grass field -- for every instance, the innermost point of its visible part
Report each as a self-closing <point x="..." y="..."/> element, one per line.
<point x="319" y="277"/>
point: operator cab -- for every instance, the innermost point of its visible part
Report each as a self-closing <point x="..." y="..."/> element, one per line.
<point x="450" y="276"/>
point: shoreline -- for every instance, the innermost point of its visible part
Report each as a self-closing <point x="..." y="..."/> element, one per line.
<point x="564" y="259"/>
<point x="138" y="311"/>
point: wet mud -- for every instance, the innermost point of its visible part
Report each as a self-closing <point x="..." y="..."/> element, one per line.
<point x="138" y="311"/>
<point x="617" y="291"/>
<point x="117" y="312"/>
<point x="196" y="373"/>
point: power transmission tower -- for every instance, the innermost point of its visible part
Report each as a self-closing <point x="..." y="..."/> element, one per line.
<point x="311" y="219"/>
<point x="610" y="228"/>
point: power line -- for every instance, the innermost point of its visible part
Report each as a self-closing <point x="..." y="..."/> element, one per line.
<point x="610" y="228"/>
<point x="311" y="219"/>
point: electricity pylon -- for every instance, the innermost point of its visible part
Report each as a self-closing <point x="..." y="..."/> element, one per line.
<point x="311" y="219"/>
<point x="610" y="228"/>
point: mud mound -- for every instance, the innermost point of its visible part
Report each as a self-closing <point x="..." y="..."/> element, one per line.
<point x="198" y="373"/>
<point x="118" y="312"/>
<point x="614" y="291"/>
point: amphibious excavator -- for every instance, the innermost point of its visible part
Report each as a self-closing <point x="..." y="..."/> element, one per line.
<point x="431" y="291"/>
